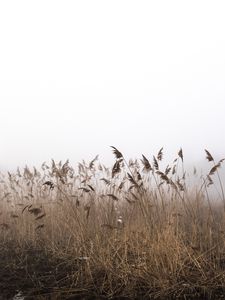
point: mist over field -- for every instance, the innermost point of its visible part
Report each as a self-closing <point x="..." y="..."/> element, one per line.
<point x="76" y="78"/>
<point x="112" y="178"/>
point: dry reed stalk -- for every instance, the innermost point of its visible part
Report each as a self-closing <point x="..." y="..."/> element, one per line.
<point x="168" y="231"/>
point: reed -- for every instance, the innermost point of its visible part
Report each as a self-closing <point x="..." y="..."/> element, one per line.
<point x="136" y="230"/>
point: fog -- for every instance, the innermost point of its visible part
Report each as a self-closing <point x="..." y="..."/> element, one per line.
<point x="79" y="76"/>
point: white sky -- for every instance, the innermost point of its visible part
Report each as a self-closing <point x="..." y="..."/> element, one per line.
<point x="79" y="76"/>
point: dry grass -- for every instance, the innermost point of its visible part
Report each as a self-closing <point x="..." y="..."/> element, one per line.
<point x="133" y="231"/>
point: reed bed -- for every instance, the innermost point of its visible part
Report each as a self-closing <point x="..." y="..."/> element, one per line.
<point x="136" y="230"/>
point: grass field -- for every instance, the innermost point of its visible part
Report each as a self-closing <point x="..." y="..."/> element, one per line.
<point x="137" y="230"/>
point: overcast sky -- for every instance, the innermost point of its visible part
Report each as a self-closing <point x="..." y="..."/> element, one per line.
<point x="79" y="76"/>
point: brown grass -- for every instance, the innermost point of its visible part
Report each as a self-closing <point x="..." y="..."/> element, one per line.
<point x="133" y="231"/>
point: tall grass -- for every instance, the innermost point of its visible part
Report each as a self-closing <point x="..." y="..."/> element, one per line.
<point x="137" y="230"/>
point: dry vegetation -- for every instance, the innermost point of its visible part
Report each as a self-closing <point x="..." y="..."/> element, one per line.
<point x="137" y="230"/>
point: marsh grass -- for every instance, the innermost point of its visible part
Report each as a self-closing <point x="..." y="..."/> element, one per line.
<point x="137" y="230"/>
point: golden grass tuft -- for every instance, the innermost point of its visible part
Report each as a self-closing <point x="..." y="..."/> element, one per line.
<point x="137" y="230"/>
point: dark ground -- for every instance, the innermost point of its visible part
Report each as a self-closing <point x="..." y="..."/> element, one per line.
<point x="43" y="276"/>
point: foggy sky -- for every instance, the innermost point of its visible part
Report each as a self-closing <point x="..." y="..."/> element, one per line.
<point x="79" y="76"/>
